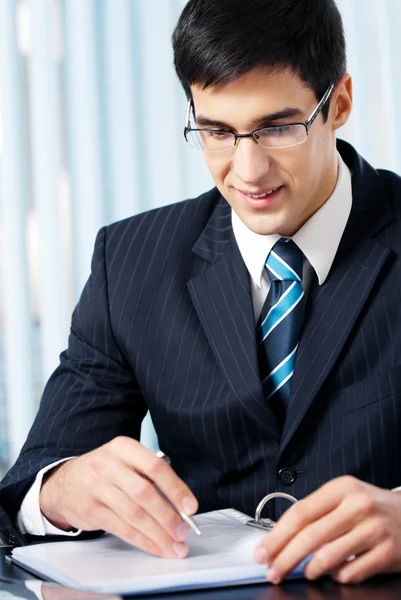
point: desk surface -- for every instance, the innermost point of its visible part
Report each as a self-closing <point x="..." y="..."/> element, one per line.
<point x="384" y="588"/>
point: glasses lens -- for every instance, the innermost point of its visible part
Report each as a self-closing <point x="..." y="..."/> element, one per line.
<point x="210" y="141"/>
<point x="281" y="136"/>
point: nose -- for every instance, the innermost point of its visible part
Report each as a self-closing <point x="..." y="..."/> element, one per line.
<point x="251" y="162"/>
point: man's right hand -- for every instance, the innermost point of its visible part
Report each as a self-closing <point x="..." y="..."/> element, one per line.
<point x="109" y="489"/>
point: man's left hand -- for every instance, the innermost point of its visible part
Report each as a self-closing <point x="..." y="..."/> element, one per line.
<point x="343" y="519"/>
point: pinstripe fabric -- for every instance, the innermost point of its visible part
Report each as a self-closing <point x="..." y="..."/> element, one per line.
<point x="165" y="323"/>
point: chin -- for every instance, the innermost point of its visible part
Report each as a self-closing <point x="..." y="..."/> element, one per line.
<point x="263" y="226"/>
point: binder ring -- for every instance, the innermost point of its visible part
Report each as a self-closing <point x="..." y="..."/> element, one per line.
<point x="269" y="497"/>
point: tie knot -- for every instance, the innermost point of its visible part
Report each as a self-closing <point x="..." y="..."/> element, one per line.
<point x="285" y="261"/>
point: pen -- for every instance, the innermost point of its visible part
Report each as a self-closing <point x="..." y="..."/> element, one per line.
<point x="183" y="516"/>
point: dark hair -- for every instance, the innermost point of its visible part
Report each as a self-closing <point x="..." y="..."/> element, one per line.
<point x="217" y="41"/>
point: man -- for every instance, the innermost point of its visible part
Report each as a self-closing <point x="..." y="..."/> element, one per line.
<point x="199" y="310"/>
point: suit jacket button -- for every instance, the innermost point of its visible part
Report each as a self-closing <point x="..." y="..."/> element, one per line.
<point x="287" y="475"/>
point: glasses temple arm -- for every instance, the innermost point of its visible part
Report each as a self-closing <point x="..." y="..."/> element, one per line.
<point x="319" y="107"/>
<point x="188" y="116"/>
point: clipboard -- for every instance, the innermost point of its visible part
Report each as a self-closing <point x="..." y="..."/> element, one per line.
<point x="222" y="556"/>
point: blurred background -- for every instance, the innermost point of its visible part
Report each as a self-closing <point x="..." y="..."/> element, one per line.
<point x="91" y="131"/>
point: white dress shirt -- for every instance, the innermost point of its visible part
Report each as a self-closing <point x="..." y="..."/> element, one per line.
<point x="318" y="239"/>
<point x="30" y="518"/>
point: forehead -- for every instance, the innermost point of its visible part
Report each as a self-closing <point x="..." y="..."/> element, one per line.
<point x="256" y="93"/>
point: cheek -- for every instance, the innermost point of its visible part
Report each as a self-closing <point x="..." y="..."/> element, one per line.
<point x="219" y="169"/>
<point x="303" y="166"/>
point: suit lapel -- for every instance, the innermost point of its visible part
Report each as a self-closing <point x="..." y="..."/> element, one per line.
<point x="222" y="298"/>
<point x="334" y="307"/>
<point x="221" y="295"/>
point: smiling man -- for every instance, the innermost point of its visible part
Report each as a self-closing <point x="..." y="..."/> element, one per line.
<point x="260" y="323"/>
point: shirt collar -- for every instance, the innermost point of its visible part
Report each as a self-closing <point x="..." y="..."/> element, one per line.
<point x="318" y="238"/>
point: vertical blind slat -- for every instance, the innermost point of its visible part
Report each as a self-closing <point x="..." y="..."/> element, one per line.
<point x="13" y="216"/>
<point x="84" y="132"/>
<point x="164" y="124"/>
<point x="45" y="144"/>
<point x="124" y="141"/>
<point x="387" y="142"/>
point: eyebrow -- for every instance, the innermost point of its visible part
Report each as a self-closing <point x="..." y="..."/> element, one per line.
<point x="285" y="113"/>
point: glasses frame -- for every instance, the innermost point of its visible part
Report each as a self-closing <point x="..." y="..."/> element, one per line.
<point x="307" y="124"/>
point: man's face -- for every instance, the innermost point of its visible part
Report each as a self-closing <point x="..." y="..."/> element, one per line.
<point x="304" y="175"/>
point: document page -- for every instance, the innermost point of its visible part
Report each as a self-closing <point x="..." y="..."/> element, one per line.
<point x="222" y="555"/>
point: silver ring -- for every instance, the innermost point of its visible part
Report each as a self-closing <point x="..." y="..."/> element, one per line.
<point x="270" y="497"/>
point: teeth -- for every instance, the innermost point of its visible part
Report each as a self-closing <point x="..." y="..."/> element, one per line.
<point x="262" y="195"/>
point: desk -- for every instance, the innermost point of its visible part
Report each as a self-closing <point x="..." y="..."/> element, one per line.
<point x="384" y="588"/>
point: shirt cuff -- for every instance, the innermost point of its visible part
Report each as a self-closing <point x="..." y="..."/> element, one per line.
<point x="30" y="518"/>
<point x="35" y="587"/>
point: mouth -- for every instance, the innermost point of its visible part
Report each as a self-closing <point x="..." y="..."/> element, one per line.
<point x="261" y="200"/>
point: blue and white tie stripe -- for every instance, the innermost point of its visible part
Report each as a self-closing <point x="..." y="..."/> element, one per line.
<point x="280" y="322"/>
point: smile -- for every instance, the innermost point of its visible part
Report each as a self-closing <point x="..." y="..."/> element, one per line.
<point x="261" y="195"/>
<point x="261" y="201"/>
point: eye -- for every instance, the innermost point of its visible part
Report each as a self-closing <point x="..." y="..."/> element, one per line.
<point x="218" y="135"/>
<point x="278" y="131"/>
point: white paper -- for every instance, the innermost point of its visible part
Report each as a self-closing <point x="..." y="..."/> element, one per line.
<point x="222" y="555"/>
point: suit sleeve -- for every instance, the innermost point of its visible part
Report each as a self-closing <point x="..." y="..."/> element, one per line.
<point x="91" y="397"/>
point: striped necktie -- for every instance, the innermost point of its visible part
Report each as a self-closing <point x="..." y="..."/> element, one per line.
<point x="280" y="323"/>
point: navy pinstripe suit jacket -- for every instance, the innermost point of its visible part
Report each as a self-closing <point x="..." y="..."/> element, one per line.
<point x="166" y="323"/>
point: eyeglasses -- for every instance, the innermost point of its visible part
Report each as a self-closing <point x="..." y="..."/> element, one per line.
<point x="274" y="136"/>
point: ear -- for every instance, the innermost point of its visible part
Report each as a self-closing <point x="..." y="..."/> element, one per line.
<point x="341" y="104"/>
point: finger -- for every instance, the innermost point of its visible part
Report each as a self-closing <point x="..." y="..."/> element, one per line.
<point x="312" y="508"/>
<point x="145" y="494"/>
<point x="374" y="562"/>
<point x="136" y="517"/>
<point x="107" y="520"/>
<point x="317" y="535"/>
<point x="337" y="553"/>
<point x="144" y="461"/>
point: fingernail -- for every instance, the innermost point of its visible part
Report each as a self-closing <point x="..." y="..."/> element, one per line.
<point x="189" y="505"/>
<point x="260" y="555"/>
<point x="180" y="550"/>
<point x="182" y="531"/>
<point x="272" y="576"/>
